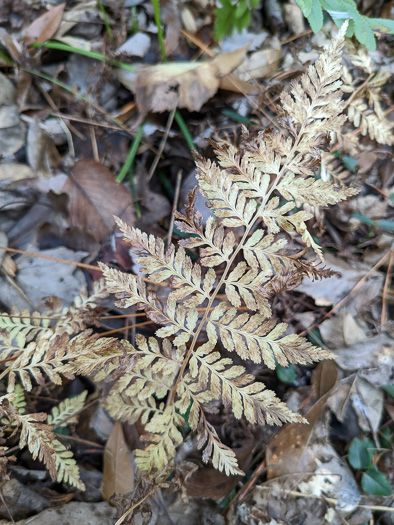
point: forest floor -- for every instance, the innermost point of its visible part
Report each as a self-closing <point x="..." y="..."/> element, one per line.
<point x="94" y="123"/>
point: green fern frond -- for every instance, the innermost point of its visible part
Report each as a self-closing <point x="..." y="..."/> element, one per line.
<point x="66" y="466"/>
<point x="65" y="413"/>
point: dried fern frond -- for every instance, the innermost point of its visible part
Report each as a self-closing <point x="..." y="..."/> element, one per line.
<point x="244" y="190"/>
<point x="258" y="189"/>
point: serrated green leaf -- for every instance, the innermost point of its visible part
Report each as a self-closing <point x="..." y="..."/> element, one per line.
<point x="359" y="453"/>
<point x="315" y="17"/>
<point x="306" y="6"/>
<point x="375" y="483"/>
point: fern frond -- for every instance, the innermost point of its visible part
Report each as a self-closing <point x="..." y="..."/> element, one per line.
<point x="370" y="124"/>
<point x="97" y="357"/>
<point x="230" y="384"/>
<point x="65" y="413"/>
<point x="225" y="197"/>
<point x="245" y="284"/>
<point x="153" y="370"/>
<point x="248" y="171"/>
<point x="161" y="264"/>
<point x="256" y="338"/>
<point x="22" y="326"/>
<point x="131" y="290"/>
<point x="39" y="439"/>
<point x="223" y="458"/>
<point x="163" y="436"/>
<point x="277" y="218"/>
<point x="37" y="359"/>
<point x="66" y="466"/>
<point x="130" y="409"/>
<point x="314" y="192"/>
<point x="314" y="103"/>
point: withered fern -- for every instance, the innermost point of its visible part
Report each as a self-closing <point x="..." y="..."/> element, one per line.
<point x="255" y="189"/>
<point x="256" y="192"/>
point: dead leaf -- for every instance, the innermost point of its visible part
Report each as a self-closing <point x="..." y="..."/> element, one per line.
<point x="183" y="84"/>
<point x="261" y="64"/>
<point x="37" y="278"/>
<point x="289" y="451"/>
<point x="95" y="197"/>
<point x="170" y="15"/>
<point x="11" y="172"/>
<point x="41" y="150"/>
<point x="357" y="394"/>
<point x="118" y="471"/>
<point x="45" y="26"/>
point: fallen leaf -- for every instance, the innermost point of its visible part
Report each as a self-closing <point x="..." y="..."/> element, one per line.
<point x="95" y="197"/>
<point x="261" y="64"/>
<point x="170" y="15"/>
<point x="11" y="172"/>
<point x="45" y="26"/>
<point x="357" y="394"/>
<point x="118" y="471"/>
<point x="182" y="84"/>
<point x="37" y="278"/>
<point x="290" y="450"/>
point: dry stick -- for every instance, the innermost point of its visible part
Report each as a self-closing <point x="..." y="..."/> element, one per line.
<point x="93" y="141"/>
<point x="245" y="489"/>
<point x="121" y="519"/>
<point x="82" y="441"/>
<point x="174" y="206"/>
<point x="342" y="301"/>
<point x="125" y="328"/>
<point x="162" y="144"/>
<point x="53" y="106"/>
<point x="384" y="317"/>
<point x="73" y="263"/>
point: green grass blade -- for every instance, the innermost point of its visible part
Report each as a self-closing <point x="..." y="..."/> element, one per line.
<point x="60" y="46"/>
<point x="105" y="17"/>
<point x="131" y="156"/>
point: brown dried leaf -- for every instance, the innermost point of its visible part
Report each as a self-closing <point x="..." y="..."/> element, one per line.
<point x="95" y="197"/>
<point x="289" y="451"/>
<point x="118" y="471"/>
<point x="45" y="26"/>
<point x="183" y="84"/>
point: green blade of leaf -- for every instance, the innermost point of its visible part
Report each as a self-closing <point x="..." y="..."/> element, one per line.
<point x="375" y="483"/>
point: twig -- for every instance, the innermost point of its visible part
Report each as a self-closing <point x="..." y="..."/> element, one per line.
<point x="384" y="317"/>
<point x="121" y="519"/>
<point x="73" y="263"/>
<point x="347" y="296"/>
<point x="174" y="206"/>
<point x="162" y="144"/>
<point x="125" y="328"/>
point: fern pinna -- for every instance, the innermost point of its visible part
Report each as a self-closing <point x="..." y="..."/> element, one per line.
<point x="255" y="192"/>
<point x="254" y="189"/>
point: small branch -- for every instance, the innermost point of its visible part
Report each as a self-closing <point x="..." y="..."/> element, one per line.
<point x="174" y="206"/>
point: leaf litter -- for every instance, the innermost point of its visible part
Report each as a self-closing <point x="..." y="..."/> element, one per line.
<point x="342" y="401"/>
